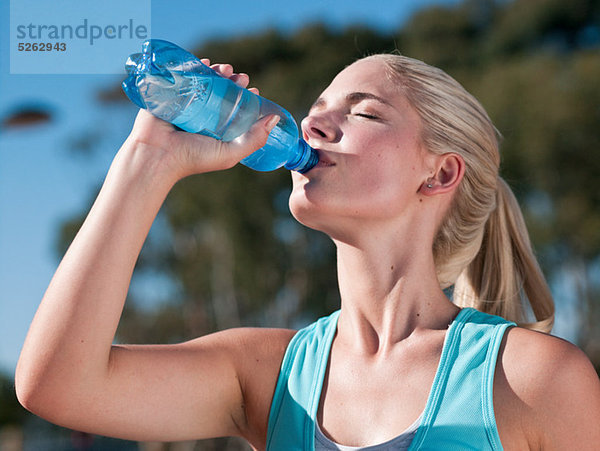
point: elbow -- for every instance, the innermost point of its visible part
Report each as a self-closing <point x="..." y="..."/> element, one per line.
<point x="26" y="400"/>
<point x="38" y="400"/>
<point x="52" y="395"/>
<point x="26" y="388"/>
<point x="29" y="379"/>
<point x="33" y="390"/>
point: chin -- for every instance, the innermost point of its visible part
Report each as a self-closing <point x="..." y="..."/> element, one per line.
<point x="300" y="207"/>
<point x="305" y="209"/>
<point x="318" y="216"/>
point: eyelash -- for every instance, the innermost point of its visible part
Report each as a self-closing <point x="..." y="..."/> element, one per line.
<point x="366" y="115"/>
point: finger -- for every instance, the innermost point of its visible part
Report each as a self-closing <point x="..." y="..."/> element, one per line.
<point x="254" y="90"/>
<point x="241" y="80"/>
<point x="197" y="153"/>
<point x="226" y="70"/>
<point x="205" y="61"/>
<point x="255" y="138"/>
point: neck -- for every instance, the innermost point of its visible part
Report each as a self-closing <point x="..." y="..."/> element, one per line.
<point x="388" y="294"/>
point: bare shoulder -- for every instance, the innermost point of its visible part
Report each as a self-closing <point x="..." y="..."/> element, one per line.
<point x="246" y="346"/>
<point x="537" y="361"/>
<point x="253" y="351"/>
<point x="254" y="339"/>
<point x="559" y="386"/>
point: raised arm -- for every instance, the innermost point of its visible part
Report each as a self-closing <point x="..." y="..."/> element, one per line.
<point x="69" y="372"/>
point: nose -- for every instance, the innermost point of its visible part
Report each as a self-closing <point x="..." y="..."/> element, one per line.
<point x="316" y="127"/>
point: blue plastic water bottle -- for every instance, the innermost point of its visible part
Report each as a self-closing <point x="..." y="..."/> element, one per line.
<point x="174" y="85"/>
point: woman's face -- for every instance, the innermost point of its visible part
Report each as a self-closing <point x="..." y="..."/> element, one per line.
<point x="371" y="162"/>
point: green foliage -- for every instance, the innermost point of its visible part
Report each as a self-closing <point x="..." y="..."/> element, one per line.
<point x="527" y="25"/>
<point x="549" y="111"/>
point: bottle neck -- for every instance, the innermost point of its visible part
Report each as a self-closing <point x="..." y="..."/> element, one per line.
<point x="306" y="158"/>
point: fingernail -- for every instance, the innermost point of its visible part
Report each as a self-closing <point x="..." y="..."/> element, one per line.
<point x="272" y="122"/>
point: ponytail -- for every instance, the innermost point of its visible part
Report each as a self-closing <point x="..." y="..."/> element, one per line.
<point x="504" y="276"/>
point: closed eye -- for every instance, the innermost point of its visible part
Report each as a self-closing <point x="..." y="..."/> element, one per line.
<point x="366" y="115"/>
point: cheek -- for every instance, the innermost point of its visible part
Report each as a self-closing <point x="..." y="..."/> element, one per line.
<point x="378" y="170"/>
<point x="389" y="178"/>
<point x="374" y="180"/>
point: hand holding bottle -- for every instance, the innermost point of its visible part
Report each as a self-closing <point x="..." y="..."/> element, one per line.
<point x="174" y="85"/>
<point x="185" y="153"/>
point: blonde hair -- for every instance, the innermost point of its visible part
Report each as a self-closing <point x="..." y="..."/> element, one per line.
<point x="482" y="246"/>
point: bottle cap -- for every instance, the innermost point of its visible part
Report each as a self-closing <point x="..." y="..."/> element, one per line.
<point x="307" y="160"/>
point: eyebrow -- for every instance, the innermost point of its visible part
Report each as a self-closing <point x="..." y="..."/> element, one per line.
<point x="353" y="97"/>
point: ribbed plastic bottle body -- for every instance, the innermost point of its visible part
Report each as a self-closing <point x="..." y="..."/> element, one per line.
<point x="174" y="85"/>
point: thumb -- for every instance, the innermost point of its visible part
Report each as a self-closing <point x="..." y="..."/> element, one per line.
<point x="198" y="153"/>
<point x="255" y="138"/>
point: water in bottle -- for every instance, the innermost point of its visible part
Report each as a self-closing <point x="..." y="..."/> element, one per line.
<point x="174" y="85"/>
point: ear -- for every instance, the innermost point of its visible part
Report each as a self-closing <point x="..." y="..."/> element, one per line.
<point x="450" y="171"/>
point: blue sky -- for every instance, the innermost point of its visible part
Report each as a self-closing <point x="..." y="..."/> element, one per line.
<point x="42" y="182"/>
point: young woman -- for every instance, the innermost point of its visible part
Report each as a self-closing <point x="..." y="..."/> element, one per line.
<point x="407" y="187"/>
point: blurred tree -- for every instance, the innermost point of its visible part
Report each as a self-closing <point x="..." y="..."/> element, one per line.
<point x="446" y="36"/>
<point x="534" y="25"/>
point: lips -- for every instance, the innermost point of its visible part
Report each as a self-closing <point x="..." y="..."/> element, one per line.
<point x="324" y="164"/>
<point x="323" y="160"/>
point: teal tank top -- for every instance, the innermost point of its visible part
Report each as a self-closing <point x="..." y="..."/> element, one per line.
<point x="459" y="414"/>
